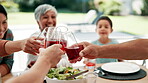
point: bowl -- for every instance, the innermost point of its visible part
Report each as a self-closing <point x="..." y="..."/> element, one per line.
<point x="49" y="80"/>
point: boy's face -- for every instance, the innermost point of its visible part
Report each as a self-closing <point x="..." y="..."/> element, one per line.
<point x="47" y="20"/>
<point x="103" y="28"/>
<point x="3" y="25"/>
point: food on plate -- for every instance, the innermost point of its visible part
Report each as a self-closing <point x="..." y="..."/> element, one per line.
<point x="62" y="72"/>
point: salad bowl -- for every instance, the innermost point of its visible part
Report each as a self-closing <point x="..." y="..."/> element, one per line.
<point x="58" y="75"/>
<point x="49" y="80"/>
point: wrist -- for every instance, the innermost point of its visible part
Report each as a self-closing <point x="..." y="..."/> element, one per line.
<point x="22" y="44"/>
<point x="44" y="60"/>
<point x="100" y="51"/>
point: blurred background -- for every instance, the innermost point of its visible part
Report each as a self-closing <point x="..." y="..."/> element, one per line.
<point x="130" y="20"/>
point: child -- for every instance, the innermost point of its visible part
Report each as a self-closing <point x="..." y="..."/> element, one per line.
<point x="103" y="29"/>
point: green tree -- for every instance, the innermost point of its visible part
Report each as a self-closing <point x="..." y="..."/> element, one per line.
<point x="74" y="5"/>
<point x="27" y="5"/>
<point x="108" y="6"/>
<point x="10" y="5"/>
<point x="145" y="8"/>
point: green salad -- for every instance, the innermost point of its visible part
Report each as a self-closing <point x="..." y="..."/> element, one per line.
<point x="62" y="72"/>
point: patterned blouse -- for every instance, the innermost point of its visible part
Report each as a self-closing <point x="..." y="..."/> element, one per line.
<point x="7" y="61"/>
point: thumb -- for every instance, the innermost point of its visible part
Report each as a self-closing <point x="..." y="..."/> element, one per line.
<point x="84" y="52"/>
<point x="81" y="54"/>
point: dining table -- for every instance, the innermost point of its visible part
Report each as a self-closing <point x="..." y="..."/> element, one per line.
<point x="97" y="79"/>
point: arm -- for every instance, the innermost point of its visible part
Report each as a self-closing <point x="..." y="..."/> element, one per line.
<point x="29" y="45"/>
<point x="6" y="64"/>
<point x="4" y="69"/>
<point x="7" y="61"/>
<point x="47" y="58"/>
<point x="131" y="50"/>
<point x="2" y="48"/>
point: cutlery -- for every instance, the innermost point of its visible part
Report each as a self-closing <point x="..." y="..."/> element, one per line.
<point x="101" y="72"/>
<point x="73" y="76"/>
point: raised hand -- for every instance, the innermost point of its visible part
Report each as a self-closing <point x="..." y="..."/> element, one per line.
<point x="31" y="45"/>
<point x="51" y="55"/>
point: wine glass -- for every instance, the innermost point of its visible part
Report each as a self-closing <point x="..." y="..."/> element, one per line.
<point x="72" y="49"/>
<point x="54" y="36"/>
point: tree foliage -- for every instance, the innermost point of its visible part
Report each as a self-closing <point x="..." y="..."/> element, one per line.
<point x="10" y="5"/>
<point x="108" y="6"/>
<point x="74" y="5"/>
<point x="145" y="8"/>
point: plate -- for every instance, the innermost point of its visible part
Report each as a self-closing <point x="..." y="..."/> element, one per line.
<point x="120" y="67"/>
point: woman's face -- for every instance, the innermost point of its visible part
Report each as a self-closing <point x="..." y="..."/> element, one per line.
<point x="103" y="28"/>
<point x="47" y="20"/>
<point x="3" y="25"/>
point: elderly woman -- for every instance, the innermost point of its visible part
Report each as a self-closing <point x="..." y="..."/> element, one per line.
<point x="6" y="62"/>
<point x="45" y="16"/>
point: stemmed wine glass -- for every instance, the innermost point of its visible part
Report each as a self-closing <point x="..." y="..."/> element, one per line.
<point x="72" y="49"/>
<point x="53" y="35"/>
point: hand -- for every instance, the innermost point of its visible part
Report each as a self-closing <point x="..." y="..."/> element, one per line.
<point x="31" y="64"/>
<point x="75" y="60"/>
<point x="51" y="55"/>
<point x="31" y="46"/>
<point x="82" y="44"/>
<point x="90" y="51"/>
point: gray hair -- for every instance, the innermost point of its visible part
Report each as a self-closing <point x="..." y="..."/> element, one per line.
<point x="42" y="9"/>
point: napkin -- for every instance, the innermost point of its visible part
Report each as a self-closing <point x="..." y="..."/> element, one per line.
<point x="64" y="62"/>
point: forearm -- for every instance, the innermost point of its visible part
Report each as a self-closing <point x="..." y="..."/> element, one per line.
<point x="35" y="75"/>
<point x="48" y="58"/>
<point x="13" y="46"/>
<point x="2" y="48"/>
<point x="132" y="50"/>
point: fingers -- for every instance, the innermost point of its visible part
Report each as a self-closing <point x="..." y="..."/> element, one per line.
<point x="75" y="60"/>
<point x="41" y="41"/>
<point x="33" y="43"/>
<point x="85" y="52"/>
<point x="30" y="52"/>
<point x="54" y="50"/>
<point x="79" y="59"/>
<point x="32" y="46"/>
<point x="31" y="64"/>
<point x="51" y="55"/>
<point x="89" y="52"/>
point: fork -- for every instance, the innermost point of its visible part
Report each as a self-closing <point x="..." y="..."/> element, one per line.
<point x="100" y="71"/>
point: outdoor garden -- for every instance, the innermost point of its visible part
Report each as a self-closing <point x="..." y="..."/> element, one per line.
<point x="22" y="12"/>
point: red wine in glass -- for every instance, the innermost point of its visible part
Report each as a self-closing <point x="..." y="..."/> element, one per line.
<point x="51" y="42"/>
<point x="73" y="52"/>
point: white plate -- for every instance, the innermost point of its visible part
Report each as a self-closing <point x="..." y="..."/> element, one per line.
<point x="120" y="67"/>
